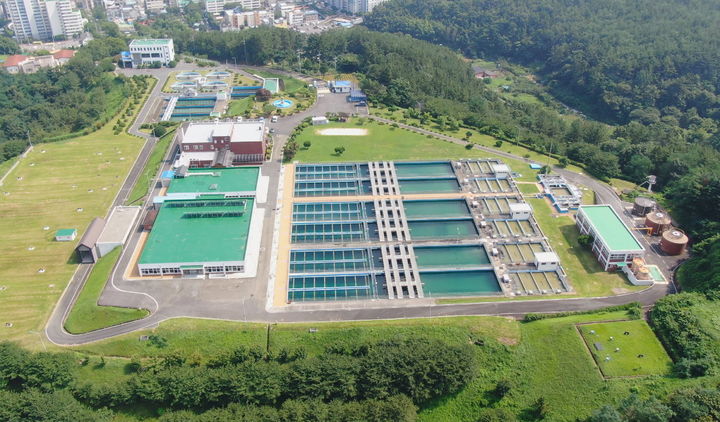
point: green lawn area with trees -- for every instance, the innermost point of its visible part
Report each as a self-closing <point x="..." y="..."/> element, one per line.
<point x="625" y="348"/>
<point x="484" y="368"/>
<point x="86" y="315"/>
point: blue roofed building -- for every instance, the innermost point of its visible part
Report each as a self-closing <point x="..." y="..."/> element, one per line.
<point x="340" y="87"/>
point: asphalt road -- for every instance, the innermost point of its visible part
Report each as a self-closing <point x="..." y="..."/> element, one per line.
<point x="245" y="299"/>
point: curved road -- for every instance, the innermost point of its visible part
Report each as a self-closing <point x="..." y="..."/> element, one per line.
<point x="239" y="301"/>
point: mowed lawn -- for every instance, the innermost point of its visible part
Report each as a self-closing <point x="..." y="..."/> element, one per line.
<point x="86" y="315"/>
<point x="384" y="142"/>
<point x="628" y="348"/>
<point x="585" y="274"/>
<point x="46" y="190"/>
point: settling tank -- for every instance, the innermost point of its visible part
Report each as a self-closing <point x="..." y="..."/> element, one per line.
<point x="658" y="222"/>
<point x="673" y="241"/>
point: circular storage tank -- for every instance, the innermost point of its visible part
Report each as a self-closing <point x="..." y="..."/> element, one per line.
<point x="673" y="241"/>
<point x="642" y="206"/>
<point x="658" y="222"/>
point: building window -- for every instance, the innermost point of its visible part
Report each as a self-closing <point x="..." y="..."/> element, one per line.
<point x="150" y="271"/>
<point x="616" y="257"/>
<point x="233" y="268"/>
<point x="214" y="269"/>
<point x="171" y="270"/>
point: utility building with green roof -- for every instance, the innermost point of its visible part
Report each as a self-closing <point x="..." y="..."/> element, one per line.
<point x="204" y="225"/>
<point x="613" y="242"/>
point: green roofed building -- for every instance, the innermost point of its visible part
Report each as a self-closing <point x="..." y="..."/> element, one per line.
<point x="203" y="224"/>
<point x="198" y="237"/>
<point x="613" y="242"/>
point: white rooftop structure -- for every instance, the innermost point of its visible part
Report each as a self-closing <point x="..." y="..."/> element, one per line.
<point x="117" y="229"/>
<point x="500" y="168"/>
<point x="187" y="157"/>
<point x="246" y="131"/>
<point x="546" y="261"/>
<point x="520" y="210"/>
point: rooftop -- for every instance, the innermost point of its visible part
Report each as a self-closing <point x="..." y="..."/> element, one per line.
<point x="237" y="131"/>
<point x="150" y="42"/>
<point x="608" y="225"/>
<point x="342" y="83"/>
<point x="14" y="60"/>
<point x="236" y="179"/>
<point x="65" y="232"/>
<point x="119" y="224"/>
<point x="177" y="238"/>
<point x="64" y="54"/>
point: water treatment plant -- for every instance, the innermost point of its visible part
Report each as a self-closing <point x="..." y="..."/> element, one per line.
<point x="398" y="230"/>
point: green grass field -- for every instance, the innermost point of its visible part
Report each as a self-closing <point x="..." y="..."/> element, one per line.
<point x="47" y="189"/>
<point x="640" y="352"/>
<point x="585" y="274"/>
<point x="86" y="315"/>
<point x="240" y="107"/>
<point x="561" y="371"/>
<point x="384" y="142"/>
<point x="528" y="188"/>
<point x="145" y="179"/>
<point x="291" y="84"/>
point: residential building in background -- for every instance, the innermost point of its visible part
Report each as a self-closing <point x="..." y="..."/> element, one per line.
<point x="44" y="20"/>
<point x="354" y="6"/>
<point x="19" y="63"/>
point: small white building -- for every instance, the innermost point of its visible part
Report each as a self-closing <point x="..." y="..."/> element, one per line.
<point x="501" y="171"/>
<point x="65" y="235"/>
<point x="117" y="229"/>
<point x="520" y="211"/>
<point x="319" y="120"/>
<point x="546" y="261"/>
<point x="149" y="51"/>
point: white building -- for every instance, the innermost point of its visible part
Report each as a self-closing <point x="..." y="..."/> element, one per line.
<point x="64" y="20"/>
<point x="355" y="6"/>
<point x="214" y="6"/>
<point x="148" y="51"/>
<point x="546" y="261"/>
<point x="612" y="241"/>
<point x="520" y="211"/>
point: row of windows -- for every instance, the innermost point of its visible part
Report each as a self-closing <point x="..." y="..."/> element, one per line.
<point x="208" y="269"/>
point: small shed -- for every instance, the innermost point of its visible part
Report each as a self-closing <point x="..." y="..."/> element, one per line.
<point x="546" y="261"/>
<point x="65" y="235"/>
<point x="319" y="120"/>
<point x="520" y="211"/>
<point x="340" y="87"/>
<point x="86" y="248"/>
<point x="501" y="171"/>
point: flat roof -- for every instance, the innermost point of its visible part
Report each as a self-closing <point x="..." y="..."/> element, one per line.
<point x="342" y="83"/>
<point x="118" y="224"/>
<point x="546" y="257"/>
<point x="235" y="179"/>
<point x="177" y="238"/>
<point x="608" y="225"/>
<point x="237" y="131"/>
<point x="520" y="207"/>
<point x="150" y="41"/>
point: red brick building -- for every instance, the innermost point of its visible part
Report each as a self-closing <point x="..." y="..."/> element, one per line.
<point x="221" y="143"/>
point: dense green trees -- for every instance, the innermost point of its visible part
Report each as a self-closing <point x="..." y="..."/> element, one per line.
<point x="374" y="381"/>
<point x="61" y="100"/>
<point x="678" y="328"/>
<point x="647" y="58"/>
<point x="691" y="404"/>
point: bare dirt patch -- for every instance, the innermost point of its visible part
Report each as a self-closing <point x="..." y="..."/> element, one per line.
<point x="340" y="131"/>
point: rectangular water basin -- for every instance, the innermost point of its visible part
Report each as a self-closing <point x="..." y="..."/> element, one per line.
<point x="459" y="283"/>
<point x="424" y="169"/>
<point x="436" y="208"/>
<point x="451" y="256"/>
<point x="429" y="186"/>
<point x="442" y="229"/>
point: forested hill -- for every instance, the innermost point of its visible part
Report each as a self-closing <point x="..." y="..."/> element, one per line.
<point x="626" y="59"/>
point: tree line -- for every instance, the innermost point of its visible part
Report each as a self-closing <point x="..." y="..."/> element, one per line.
<point x="381" y="381"/>
<point x="62" y="100"/>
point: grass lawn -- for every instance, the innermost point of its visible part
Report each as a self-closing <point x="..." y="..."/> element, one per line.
<point x="528" y="188"/>
<point x="291" y="84"/>
<point x="384" y="142"/>
<point x="46" y="190"/>
<point x="6" y="165"/>
<point x="640" y="352"/>
<point x="561" y="371"/>
<point x="145" y="179"/>
<point x="585" y="274"/>
<point x="86" y="315"/>
<point x="478" y="138"/>
<point x="240" y="107"/>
